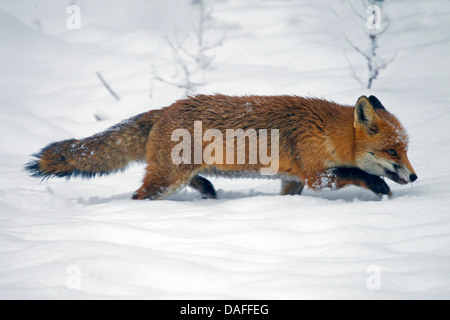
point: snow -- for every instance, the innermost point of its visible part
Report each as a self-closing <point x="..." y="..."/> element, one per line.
<point x="86" y="239"/>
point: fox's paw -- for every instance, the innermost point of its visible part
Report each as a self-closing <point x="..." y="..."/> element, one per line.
<point x="139" y="195"/>
<point x="150" y="193"/>
<point x="378" y="185"/>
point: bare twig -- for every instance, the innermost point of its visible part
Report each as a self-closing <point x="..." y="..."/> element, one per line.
<point x="178" y="59"/>
<point x="188" y="85"/>
<point x="356" y="12"/>
<point x="374" y="63"/>
<point x="357" y="49"/>
<point x="385" y="64"/>
<point x="334" y="11"/>
<point x="107" y="86"/>
<point x="215" y="44"/>
<point x="191" y="62"/>
<point x="352" y="69"/>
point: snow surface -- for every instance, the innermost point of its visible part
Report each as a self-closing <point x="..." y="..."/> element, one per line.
<point x="87" y="239"/>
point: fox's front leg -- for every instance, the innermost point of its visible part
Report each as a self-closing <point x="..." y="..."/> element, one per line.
<point x="291" y="187"/>
<point x="204" y="186"/>
<point x="340" y="177"/>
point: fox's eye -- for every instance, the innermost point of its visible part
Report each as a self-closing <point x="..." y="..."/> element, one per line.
<point x="392" y="152"/>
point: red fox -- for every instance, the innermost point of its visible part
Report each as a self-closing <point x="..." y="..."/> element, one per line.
<point x="320" y="144"/>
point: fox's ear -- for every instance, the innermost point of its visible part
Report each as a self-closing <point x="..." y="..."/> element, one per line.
<point x="365" y="115"/>
<point x="376" y="103"/>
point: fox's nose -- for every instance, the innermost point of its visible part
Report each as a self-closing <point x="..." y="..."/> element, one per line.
<point x="412" y="177"/>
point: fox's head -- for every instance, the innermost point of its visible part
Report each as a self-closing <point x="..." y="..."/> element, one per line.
<point x="381" y="142"/>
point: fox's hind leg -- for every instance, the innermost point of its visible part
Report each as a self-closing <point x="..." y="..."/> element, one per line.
<point x="155" y="187"/>
<point x="160" y="182"/>
<point x="204" y="186"/>
<point x="291" y="187"/>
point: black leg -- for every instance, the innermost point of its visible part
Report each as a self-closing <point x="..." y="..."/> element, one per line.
<point x="361" y="178"/>
<point x="291" y="187"/>
<point x="204" y="186"/>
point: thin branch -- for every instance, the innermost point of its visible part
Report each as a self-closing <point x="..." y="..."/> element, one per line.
<point x="385" y="64"/>
<point x="188" y="85"/>
<point x="352" y="69"/>
<point x="334" y="11"/>
<point x="181" y="48"/>
<point x="178" y="58"/>
<point x="107" y="86"/>
<point x="216" y="44"/>
<point x="191" y="63"/>
<point x="365" y="55"/>
<point x="387" y="23"/>
<point x="374" y="63"/>
<point x="356" y="12"/>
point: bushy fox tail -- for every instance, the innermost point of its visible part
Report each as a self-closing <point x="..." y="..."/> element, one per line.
<point x="104" y="153"/>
